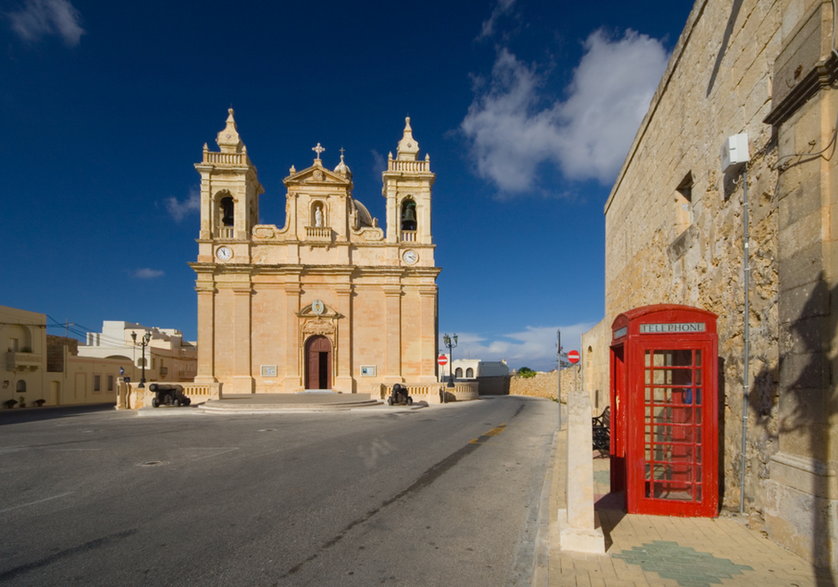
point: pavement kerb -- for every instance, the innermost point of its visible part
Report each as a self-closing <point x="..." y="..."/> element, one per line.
<point x="200" y="410"/>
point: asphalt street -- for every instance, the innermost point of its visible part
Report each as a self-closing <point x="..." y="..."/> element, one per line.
<point x="446" y="495"/>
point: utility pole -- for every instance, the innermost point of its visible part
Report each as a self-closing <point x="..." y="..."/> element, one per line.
<point x="559" y="373"/>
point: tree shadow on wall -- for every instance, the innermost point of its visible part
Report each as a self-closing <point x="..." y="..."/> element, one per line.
<point x="808" y="403"/>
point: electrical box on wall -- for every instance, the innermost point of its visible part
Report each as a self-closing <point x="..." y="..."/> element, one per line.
<point x="735" y="151"/>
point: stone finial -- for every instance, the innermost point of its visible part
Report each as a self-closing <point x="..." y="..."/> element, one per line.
<point x="228" y="139"/>
<point x="408" y="147"/>
<point x="292" y="171"/>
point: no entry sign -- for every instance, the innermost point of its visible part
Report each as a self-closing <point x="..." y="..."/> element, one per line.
<point x="442" y="360"/>
<point x="573" y="356"/>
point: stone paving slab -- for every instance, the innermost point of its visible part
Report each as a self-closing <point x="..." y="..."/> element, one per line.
<point x="667" y="551"/>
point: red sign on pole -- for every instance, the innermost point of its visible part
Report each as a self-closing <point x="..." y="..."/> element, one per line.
<point x="573" y="356"/>
<point x="442" y="360"/>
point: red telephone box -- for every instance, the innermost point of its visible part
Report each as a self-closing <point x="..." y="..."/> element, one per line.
<point x="664" y="410"/>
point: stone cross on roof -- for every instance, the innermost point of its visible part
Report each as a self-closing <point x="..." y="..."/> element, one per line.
<point x="318" y="149"/>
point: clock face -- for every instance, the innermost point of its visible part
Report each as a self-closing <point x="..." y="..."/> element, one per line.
<point x="410" y="256"/>
<point x="224" y="253"/>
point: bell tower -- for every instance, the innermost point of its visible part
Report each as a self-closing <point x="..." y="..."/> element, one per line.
<point x="230" y="188"/>
<point x="407" y="187"/>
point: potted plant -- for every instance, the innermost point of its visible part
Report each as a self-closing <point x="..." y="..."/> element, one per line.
<point x="9" y="403"/>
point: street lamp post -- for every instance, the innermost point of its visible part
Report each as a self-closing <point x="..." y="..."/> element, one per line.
<point x="143" y="343"/>
<point x="451" y="343"/>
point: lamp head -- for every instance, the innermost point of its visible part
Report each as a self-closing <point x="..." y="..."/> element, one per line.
<point x="134" y="337"/>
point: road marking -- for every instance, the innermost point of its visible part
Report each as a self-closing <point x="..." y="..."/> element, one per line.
<point x="426" y="479"/>
<point x="23" y="505"/>
<point x="483" y="438"/>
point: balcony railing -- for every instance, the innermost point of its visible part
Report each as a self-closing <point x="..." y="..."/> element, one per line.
<point x="225" y="158"/>
<point x="19" y="360"/>
<point x="319" y="233"/>
<point x="409" y="236"/>
<point x="226" y="232"/>
<point x="408" y="166"/>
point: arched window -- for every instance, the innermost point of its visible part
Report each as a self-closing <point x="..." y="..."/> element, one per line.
<point x="458" y="372"/>
<point x="408" y="215"/>
<point x="469" y="373"/>
<point x="21" y="386"/>
<point x="227" y="208"/>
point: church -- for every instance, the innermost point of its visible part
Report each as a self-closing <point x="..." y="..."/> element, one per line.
<point x="329" y="301"/>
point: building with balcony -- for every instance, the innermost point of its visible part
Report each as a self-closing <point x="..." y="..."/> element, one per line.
<point x="39" y="369"/>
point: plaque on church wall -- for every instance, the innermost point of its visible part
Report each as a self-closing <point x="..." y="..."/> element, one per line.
<point x="268" y="370"/>
<point x="368" y="370"/>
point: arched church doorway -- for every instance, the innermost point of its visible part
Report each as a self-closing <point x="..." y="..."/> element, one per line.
<point x="318" y="358"/>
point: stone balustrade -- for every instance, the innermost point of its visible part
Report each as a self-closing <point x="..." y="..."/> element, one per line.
<point x="462" y="391"/>
<point x="225" y="158"/>
<point x="318" y="233"/>
<point x="408" y="236"/>
<point x="408" y="166"/>
<point x="131" y="397"/>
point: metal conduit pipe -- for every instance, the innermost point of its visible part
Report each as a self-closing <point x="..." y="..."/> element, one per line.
<point x="746" y="335"/>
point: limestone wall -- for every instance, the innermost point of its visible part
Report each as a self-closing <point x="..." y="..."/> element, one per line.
<point x="545" y="384"/>
<point x="664" y="248"/>
<point x="674" y="225"/>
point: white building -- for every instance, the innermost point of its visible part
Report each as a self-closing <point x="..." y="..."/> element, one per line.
<point x="167" y="356"/>
<point x="492" y="376"/>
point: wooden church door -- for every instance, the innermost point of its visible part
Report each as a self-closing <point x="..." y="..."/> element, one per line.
<point x="318" y="358"/>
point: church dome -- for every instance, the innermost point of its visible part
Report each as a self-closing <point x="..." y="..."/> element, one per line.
<point x="364" y="217"/>
<point x="342" y="168"/>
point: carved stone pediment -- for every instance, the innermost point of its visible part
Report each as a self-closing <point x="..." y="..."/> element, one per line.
<point x="315" y="310"/>
<point x="316" y="174"/>
<point x="319" y="325"/>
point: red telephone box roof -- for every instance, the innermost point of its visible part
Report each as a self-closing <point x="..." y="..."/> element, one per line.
<point x="663" y="314"/>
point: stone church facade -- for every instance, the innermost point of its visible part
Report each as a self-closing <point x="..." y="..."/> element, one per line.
<point x="674" y="234"/>
<point x="329" y="301"/>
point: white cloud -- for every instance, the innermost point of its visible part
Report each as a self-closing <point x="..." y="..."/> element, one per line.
<point x="379" y="163"/>
<point x="146" y="273"/>
<point x="179" y="209"/>
<point x="587" y="135"/>
<point x="533" y="347"/>
<point x="39" y="18"/>
<point x="488" y="28"/>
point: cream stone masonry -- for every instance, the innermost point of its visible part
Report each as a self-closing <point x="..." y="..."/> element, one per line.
<point x="674" y="234"/>
<point x="330" y="300"/>
<point x="40" y="369"/>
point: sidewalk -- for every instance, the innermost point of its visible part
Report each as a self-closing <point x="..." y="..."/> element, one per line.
<point x="660" y="550"/>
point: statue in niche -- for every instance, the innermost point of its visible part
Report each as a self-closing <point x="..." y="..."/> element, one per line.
<point x="318" y="217"/>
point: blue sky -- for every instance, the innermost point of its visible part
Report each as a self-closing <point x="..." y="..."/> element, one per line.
<point x="527" y="109"/>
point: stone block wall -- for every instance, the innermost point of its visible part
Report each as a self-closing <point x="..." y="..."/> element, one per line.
<point x="674" y="234"/>
<point x="665" y="247"/>
<point x="545" y="384"/>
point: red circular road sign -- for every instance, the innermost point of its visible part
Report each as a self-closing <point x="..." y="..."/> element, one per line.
<point x="573" y="356"/>
<point x="442" y="360"/>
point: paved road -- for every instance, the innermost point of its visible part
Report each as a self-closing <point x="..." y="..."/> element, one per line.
<point x="439" y="496"/>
